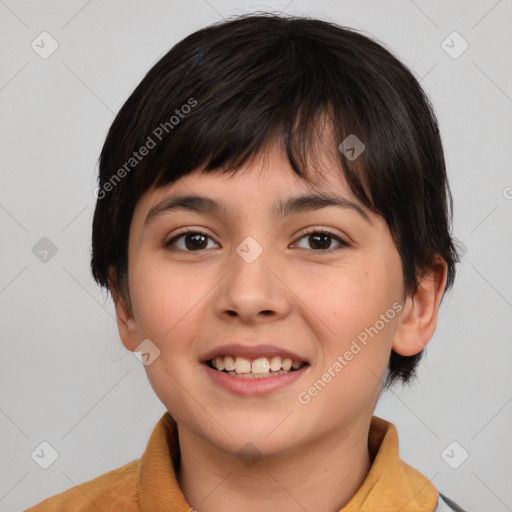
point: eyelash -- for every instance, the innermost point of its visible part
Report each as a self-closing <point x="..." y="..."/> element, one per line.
<point x="342" y="243"/>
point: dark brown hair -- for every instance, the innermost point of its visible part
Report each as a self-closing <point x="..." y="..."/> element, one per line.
<point x="219" y="96"/>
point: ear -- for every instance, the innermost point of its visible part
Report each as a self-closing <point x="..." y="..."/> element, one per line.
<point x="124" y="315"/>
<point x="418" y="319"/>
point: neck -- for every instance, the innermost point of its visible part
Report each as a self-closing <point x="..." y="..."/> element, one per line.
<point x="321" y="476"/>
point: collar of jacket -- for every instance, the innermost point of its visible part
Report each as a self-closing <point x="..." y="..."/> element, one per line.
<point x="391" y="484"/>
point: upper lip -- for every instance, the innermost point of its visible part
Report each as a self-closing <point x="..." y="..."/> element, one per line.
<point x="251" y="352"/>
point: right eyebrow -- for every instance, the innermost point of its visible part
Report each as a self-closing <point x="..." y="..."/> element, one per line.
<point x="301" y="203"/>
<point x="197" y="204"/>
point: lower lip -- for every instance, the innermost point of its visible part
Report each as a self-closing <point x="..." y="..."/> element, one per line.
<point x="254" y="387"/>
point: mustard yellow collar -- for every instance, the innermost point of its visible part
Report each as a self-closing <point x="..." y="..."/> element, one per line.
<point x="390" y="486"/>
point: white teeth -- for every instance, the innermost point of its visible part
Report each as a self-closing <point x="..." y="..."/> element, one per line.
<point x="229" y="364"/>
<point x="287" y="364"/>
<point x="260" y="366"/>
<point x="275" y="363"/>
<point x="242" y="365"/>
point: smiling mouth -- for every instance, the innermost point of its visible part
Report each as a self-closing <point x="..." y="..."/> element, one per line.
<point x="258" y="368"/>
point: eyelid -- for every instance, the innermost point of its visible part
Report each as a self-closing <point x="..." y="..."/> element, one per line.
<point x="301" y="234"/>
<point x="186" y="231"/>
<point x="318" y="229"/>
<point x="324" y="231"/>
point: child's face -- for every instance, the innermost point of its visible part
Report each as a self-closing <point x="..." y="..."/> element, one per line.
<point x="309" y="296"/>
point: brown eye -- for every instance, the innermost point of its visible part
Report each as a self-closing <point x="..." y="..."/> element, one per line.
<point x="190" y="241"/>
<point x="321" y="240"/>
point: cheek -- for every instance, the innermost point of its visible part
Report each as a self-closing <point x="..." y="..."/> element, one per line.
<point x="354" y="353"/>
<point x="167" y="304"/>
<point x="356" y="305"/>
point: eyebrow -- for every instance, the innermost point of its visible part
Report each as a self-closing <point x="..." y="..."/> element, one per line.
<point x="296" y="204"/>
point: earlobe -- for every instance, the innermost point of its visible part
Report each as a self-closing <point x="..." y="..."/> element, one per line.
<point x="124" y="316"/>
<point x="418" y="319"/>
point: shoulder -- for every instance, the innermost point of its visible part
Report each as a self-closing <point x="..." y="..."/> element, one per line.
<point x="115" y="491"/>
<point x="445" y="504"/>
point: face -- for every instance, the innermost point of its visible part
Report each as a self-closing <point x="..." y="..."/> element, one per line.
<point x="246" y="286"/>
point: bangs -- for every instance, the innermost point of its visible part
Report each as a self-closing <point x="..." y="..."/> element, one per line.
<point x="282" y="91"/>
<point x="307" y="138"/>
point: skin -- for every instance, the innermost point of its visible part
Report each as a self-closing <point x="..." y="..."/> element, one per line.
<point x="312" y="301"/>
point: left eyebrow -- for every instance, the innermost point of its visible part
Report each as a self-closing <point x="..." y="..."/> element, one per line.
<point x="310" y="202"/>
<point x="297" y="204"/>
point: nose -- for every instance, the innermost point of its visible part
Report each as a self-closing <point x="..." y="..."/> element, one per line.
<point x="252" y="291"/>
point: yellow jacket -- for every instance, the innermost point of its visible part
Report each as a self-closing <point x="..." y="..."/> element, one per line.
<point x="149" y="484"/>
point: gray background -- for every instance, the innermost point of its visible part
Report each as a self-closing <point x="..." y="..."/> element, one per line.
<point x="65" y="376"/>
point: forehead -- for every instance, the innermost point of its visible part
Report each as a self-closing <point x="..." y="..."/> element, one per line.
<point x="262" y="181"/>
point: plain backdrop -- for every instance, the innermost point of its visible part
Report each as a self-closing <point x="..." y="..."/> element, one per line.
<point x="67" y="380"/>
